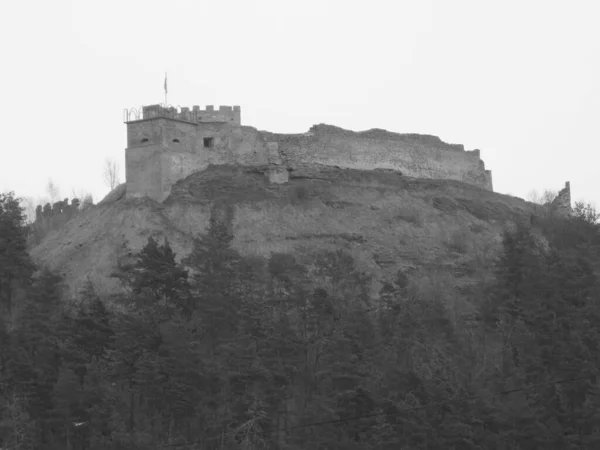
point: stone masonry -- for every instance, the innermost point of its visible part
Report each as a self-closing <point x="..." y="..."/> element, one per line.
<point x="165" y="145"/>
<point x="561" y="205"/>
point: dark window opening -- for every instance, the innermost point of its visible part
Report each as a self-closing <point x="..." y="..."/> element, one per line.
<point x="176" y="140"/>
<point x="209" y="142"/>
<point x="144" y="140"/>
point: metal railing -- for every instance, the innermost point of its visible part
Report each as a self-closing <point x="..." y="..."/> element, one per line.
<point x="159" y="110"/>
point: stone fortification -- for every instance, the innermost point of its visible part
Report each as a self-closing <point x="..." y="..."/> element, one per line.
<point x="418" y="156"/>
<point x="228" y="114"/>
<point x="50" y="217"/>
<point x="60" y="209"/>
<point x="561" y="205"/>
<point x="165" y="145"/>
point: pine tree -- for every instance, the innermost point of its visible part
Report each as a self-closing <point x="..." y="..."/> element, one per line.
<point x="16" y="266"/>
<point x="37" y="350"/>
<point x="157" y="271"/>
<point x="215" y="285"/>
<point x="158" y="283"/>
<point x="92" y="329"/>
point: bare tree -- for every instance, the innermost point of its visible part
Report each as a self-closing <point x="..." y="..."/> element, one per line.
<point x="549" y="195"/>
<point x="111" y="173"/>
<point x="80" y="193"/>
<point x="541" y="199"/>
<point x="87" y="201"/>
<point x="586" y="212"/>
<point x="85" y="198"/>
<point x="534" y="197"/>
<point x="30" y="205"/>
<point x="53" y="190"/>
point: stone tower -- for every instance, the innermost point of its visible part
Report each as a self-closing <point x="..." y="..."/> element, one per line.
<point x="165" y="144"/>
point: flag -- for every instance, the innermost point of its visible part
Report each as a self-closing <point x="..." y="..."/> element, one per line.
<point x="165" y="82"/>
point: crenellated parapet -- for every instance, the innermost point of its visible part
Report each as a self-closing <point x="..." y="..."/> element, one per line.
<point x="51" y="217"/>
<point x="224" y="114"/>
<point x="57" y="209"/>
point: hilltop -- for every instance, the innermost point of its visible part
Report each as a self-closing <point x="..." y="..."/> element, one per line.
<point x="284" y="342"/>
<point x="444" y="229"/>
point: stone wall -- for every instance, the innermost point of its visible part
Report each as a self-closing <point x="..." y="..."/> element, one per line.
<point x="420" y="156"/>
<point x="56" y="210"/>
<point x="50" y="217"/>
<point x="561" y="205"/>
<point x="162" y="151"/>
<point x="143" y="171"/>
<point x="229" y="114"/>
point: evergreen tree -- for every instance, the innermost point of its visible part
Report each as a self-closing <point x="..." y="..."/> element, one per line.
<point x="158" y="283"/>
<point x="157" y="271"/>
<point x="92" y="329"/>
<point x="37" y="350"/>
<point x="215" y="283"/>
<point x="16" y="266"/>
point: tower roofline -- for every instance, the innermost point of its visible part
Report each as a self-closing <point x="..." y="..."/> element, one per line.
<point x="225" y="114"/>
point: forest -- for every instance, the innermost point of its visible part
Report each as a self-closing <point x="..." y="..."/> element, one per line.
<point x="222" y="351"/>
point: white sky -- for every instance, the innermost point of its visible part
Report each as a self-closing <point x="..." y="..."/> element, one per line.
<point x="517" y="79"/>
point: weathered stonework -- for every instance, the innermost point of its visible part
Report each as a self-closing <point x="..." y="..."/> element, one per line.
<point x="561" y="205"/>
<point x="50" y="217"/>
<point x="277" y="174"/>
<point x="56" y="210"/>
<point x="165" y="145"/>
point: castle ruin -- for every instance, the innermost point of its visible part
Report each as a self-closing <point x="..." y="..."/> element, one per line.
<point x="57" y="209"/>
<point x="52" y="216"/>
<point x="166" y="144"/>
<point x="561" y="205"/>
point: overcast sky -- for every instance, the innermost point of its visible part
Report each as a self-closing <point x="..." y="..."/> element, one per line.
<point x="517" y="79"/>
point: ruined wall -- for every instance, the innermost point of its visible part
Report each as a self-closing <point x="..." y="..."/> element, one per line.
<point x="50" y="217"/>
<point x="561" y="205"/>
<point x="419" y="156"/>
<point x="56" y="210"/>
<point x="231" y="145"/>
<point x="162" y="151"/>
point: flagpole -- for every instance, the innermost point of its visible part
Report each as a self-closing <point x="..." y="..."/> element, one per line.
<point x="165" y="89"/>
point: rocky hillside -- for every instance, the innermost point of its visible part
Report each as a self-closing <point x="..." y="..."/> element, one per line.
<point x="445" y="233"/>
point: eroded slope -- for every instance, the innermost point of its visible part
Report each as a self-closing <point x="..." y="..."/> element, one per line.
<point x="386" y="221"/>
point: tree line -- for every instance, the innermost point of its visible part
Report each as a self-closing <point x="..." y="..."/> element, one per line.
<point x="222" y="351"/>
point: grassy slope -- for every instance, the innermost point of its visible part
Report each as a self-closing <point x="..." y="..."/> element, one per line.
<point x="445" y="232"/>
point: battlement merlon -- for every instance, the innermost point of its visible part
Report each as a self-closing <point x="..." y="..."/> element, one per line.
<point x="225" y="114"/>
